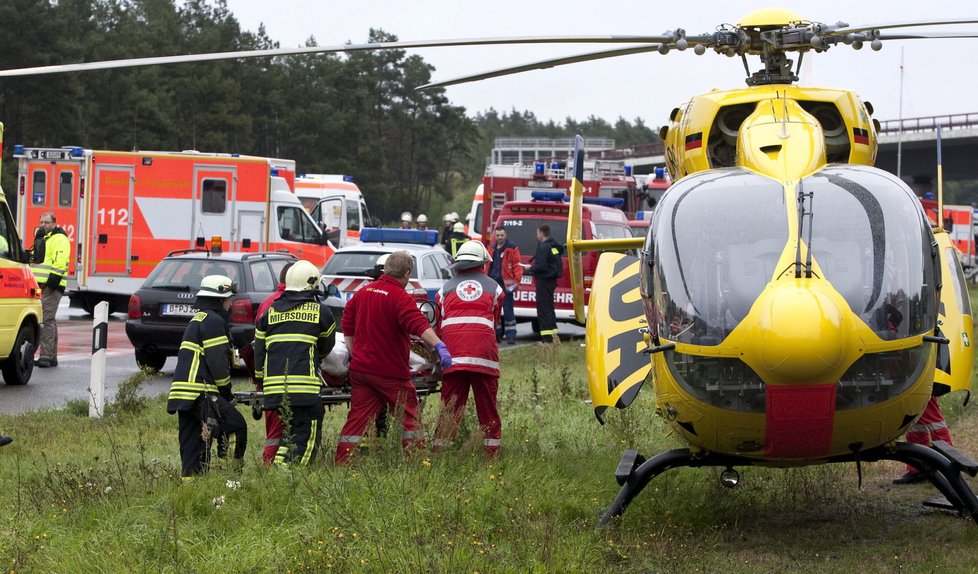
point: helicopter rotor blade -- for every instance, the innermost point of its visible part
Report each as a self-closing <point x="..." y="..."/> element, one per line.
<point x="541" y="65"/>
<point x="275" y="52"/>
<point x="846" y="29"/>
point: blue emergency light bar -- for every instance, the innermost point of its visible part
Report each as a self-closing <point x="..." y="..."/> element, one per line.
<point x="77" y="151"/>
<point x="539" y="168"/>
<point x="18" y="149"/>
<point x="385" y="235"/>
<point x="628" y="171"/>
<point x="274" y="172"/>
<point x="348" y="178"/>
<point x="548" y="196"/>
<point x="660" y="173"/>
<point x="618" y="202"/>
<point x="644" y="215"/>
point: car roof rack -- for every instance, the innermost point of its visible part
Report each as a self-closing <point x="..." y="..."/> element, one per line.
<point x="186" y="251"/>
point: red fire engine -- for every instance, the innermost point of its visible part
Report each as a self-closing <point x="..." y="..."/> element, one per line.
<point x="959" y="222"/>
<point x="601" y="178"/>
<point x="124" y="211"/>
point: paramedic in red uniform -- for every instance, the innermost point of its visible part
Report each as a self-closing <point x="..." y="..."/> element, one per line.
<point x="377" y="324"/>
<point x="470" y="307"/>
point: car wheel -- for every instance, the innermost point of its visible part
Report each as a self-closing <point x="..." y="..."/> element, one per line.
<point x="150" y="360"/>
<point x="18" y="367"/>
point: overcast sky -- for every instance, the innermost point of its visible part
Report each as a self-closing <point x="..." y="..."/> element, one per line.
<point x="939" y="75"/>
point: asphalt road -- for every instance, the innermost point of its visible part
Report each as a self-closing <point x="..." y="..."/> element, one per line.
<point x="70" y="380"/>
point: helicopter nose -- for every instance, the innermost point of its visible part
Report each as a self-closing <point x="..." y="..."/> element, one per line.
<point x="801" y="333"/>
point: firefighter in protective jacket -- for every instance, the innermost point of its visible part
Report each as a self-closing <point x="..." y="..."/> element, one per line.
<point x="201" y="390"/>
<point x="470" y="307"/>
<point x="291" y="339"/>
<point x="51" y="272"/>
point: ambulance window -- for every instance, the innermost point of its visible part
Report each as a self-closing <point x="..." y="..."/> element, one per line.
<point x="294" y="224"/>
<point x="65" y="194"/>
<point x="213" y="196"/>
<point x="8" y="239"/>
<point x="352" y="215"/>
<point x="39" y="188"/>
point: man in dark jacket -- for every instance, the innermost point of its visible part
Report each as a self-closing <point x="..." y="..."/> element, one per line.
<point x="201" y="390"/>
<point x="547" y="266"/>
<point x="291" y="340"/>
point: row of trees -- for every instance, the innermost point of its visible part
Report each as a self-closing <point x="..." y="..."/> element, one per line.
<point x="357" y="114"/>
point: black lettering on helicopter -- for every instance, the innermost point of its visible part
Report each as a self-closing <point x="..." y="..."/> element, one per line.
<point x="620" y="310"/>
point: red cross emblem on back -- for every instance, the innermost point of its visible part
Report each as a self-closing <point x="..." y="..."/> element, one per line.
<point x="469" y="290"/>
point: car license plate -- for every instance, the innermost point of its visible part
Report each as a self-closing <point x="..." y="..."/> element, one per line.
<point x="178" y="309"/>
<point x="526" y="280"/>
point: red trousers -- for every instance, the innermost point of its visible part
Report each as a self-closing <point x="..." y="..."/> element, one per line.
<point x="455" y="393"/>
<point x="368" y="395"/>
<point x="273" y="436"/>
<point x="930" y="426"/>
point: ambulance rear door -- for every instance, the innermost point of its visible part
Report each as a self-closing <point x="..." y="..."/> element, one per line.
<point x="111" y="220"/>
<point x="53" y="183"/>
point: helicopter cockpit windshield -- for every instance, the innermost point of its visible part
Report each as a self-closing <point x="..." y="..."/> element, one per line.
<point x="871" y="241"/>
<point x="718" y="236"/>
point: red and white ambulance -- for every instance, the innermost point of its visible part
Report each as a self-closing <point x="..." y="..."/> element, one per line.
<point x="124" y="211"/>
<point x="336" y="204"/>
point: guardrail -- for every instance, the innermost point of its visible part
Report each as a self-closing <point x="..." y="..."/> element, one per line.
<point x="929" y="123"/>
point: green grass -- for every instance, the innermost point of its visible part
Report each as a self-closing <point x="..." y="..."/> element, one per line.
<point x="81" y="495"/>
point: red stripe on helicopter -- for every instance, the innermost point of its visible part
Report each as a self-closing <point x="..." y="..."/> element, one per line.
<point x="694" y="141"/>
<point x="799" y="421"/>
<point x="860" y="136"/>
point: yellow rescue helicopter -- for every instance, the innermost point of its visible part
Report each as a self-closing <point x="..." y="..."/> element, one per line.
<point x="791" y="305"/>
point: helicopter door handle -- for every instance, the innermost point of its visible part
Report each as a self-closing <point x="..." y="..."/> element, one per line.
<point x="936" y="339"/>
<point x="660" y="348"/>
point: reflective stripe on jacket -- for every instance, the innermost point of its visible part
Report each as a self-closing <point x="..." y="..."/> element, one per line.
<point x="57" y="250"/>
<point x="291" y="339"/>
<point x="204" y="358"/>
<point x="470" y="305"/>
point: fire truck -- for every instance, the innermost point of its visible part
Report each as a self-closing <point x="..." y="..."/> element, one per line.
<point x="124" y="211"/>
<point x="336" y="205"/>
<point x="601" y="178"/>
<point x="959" y="221"/>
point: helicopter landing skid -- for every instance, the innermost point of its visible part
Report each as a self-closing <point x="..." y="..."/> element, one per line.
<point x="942" y="464"/>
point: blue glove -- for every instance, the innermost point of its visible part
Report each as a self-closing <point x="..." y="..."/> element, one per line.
<point x="444" y="357"/>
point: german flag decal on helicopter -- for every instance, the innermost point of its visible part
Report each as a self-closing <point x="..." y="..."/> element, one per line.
<point x="616" y="365"/>
<point x="694" y="141"/>
<point x="860" y="136"/>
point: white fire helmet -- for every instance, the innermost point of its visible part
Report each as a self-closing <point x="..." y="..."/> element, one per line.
<point x="406" y="217"/>
<point x="219" y="286"/>
<point x="303" y="276"/>
<point x="471" y="254"/>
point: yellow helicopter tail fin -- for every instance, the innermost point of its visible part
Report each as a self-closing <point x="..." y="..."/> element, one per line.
<point x="616" y="366"/>
<point x="576" y="244"/>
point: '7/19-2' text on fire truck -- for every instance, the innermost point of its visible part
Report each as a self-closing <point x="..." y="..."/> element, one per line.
<point x="124" y="211"/>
